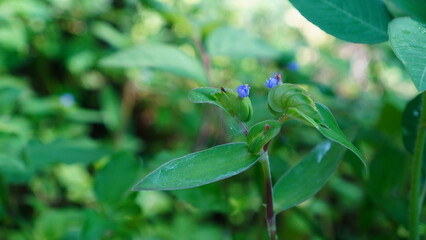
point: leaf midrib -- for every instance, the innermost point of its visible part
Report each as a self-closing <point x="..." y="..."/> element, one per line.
<point x="360" y="20"/>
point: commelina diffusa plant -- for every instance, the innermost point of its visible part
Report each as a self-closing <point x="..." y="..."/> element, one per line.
<point x="285" y="101"/>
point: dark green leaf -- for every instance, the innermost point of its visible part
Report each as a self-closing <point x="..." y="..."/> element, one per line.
<point x="259" y="134"/>
<point x="414" y="8"/>
<point x="410" y="122"/>
<point x="63" y="151"/>
<point x="238" y="43"/>
<point x="116" y="179"/>
<point x="361" y="21"/>
<point x="158" y="56"/>
<point x="408" y="41"/>
<point x="199" y="168"/>
<point x="307" y="177"/>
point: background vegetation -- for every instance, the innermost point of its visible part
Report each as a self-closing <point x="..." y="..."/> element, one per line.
<point x="93" y="96"/>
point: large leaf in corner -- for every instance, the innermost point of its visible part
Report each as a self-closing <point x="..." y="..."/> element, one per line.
<point x="308" y="176"/>
<point x="199" y="168"/>
<point x="158" y="56"/>
<point x="408" y="41"/>
<point x="359" y="21"/>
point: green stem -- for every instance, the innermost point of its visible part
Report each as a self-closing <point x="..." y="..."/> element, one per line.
<point x="415" y="208"/>
<point x="270" y="215"/>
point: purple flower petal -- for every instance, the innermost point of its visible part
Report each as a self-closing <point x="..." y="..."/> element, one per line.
<point x="273" y="81"/>
<point x="243" y="90"/>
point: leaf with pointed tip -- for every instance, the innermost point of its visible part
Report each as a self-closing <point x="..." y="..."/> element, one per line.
<point x="307" y="177"/>
<point x="200" y="168"/>
<point x="360" y="21"/>
<point x="408" y="41"/>
<point x="330" y="129"/>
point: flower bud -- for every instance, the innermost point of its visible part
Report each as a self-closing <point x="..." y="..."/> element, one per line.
<point x="292" y="101"/>
<point x="236" y="105"/>
<point x="243" y="90"/>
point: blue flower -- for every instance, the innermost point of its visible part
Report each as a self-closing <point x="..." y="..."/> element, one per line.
<point x="293" y="66"/>
<point x="243" y="90"/>
<point x="273" y="81"/>
<point x="67" y="99"/>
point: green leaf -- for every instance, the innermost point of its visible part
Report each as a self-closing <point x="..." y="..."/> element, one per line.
<point x="204" y="95"/>
<point x="307" y="177"/>
<point x="108" y="187"/>
<point x="408" y="41"/>
<point x="200" y="168"/>
<point x="361" y="21"/>
<point x="229" y="101"/>
<point x="415" y="8"/>
<point x="238" y="43"/>
<point x="158" y="56"/>
<point x="63" y="151"/>
<point x="331" y="130"/>
<point x="259" y="135"/>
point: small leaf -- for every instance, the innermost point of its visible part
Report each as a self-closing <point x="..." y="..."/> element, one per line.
<point x="199" y="168"/>
<point x="204" y="95"/>
<point x="408" y="41"/>
<point x="307" y="177"/>
<point x="360" y="21"/>
<point x="238" y="43"/>
<point x="158" y="56"/>
<point x="262" y="133"/>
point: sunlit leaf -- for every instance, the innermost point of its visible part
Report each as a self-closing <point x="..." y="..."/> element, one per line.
<point x="158" y="56"/>
<point x="308" y="176"/>
<point x="361" y="21"/>
<point x="408" y="41"/>
<point x="200" y="168"/>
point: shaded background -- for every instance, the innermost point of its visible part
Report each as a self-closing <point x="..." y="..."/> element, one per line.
<point x="93" y="96"/>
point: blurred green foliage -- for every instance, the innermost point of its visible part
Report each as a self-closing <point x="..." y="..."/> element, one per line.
<point x="67" y="164"/>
